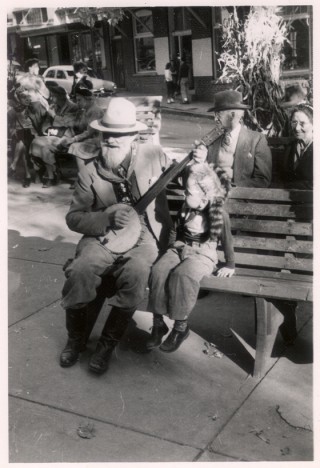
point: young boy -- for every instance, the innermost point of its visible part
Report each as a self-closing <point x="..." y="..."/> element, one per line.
<point x="175" y="278"/>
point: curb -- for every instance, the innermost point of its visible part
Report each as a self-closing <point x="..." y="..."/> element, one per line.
<point x="190" y="113"/>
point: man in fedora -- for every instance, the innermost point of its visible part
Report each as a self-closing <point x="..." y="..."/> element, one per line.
<point x="244" y="154"/>
<point x="122" y="173"/>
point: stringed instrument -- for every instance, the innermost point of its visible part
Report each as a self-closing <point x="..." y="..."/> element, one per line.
<point x="121" y="240"/>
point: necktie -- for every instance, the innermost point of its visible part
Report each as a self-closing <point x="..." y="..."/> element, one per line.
<point x="300" y="147"/>
<point x="226" y="140"/>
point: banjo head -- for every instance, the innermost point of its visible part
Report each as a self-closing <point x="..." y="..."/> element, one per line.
<point x="121" y="240"/>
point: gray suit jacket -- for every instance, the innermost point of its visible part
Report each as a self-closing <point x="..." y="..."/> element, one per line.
<point x="252" y="165"/>
<point x="93" y="194"/>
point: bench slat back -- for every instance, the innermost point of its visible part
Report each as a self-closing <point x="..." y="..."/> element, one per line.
<point x="272" y="228"/>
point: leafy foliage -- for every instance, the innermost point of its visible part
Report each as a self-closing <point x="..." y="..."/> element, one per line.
<point x="251" y="60"/>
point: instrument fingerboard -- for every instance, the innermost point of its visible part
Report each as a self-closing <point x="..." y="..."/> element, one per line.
<point x="169" y="175"/>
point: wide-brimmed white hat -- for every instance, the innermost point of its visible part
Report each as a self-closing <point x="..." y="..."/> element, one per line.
<point x="119" y="117"/>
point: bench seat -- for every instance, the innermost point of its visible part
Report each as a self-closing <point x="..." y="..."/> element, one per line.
<point x="273" y="243"/>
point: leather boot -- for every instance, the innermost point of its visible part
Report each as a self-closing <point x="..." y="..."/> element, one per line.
<point x="174" y="340"/>
<point x="112" y="332"/>
<point x="158" y="331"/>
<point x="76" y="321"/>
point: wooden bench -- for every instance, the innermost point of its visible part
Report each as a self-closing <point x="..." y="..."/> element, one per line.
<point x="272" y="231"/>
<point x="148" y="110"/>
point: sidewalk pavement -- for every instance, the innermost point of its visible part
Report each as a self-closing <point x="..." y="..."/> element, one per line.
<point x="195" y="108"/>
<point x="188" y="406"/>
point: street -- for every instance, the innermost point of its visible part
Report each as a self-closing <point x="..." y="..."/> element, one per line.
<point x="180" y="132"/>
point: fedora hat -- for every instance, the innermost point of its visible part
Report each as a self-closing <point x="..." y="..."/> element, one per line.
<point x="119" y="117"/>
<point x="294" y="95"/>
<point x="229" y="99"/>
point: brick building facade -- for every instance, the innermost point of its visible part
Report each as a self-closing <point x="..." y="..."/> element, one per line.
<point x="134" y="52"/>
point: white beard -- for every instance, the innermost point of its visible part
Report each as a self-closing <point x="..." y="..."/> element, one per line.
<point x="113" y="156"/>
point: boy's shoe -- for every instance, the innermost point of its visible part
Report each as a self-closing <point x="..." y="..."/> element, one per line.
<point x="157" y="333"/>
<point x="174" y="340"/>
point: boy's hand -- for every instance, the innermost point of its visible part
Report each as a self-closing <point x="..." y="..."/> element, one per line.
<point x="200" y="152"/>
<point x="225" y="272"/>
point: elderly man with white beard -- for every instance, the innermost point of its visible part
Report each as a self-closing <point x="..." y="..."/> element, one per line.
<point x="123" y="172"/>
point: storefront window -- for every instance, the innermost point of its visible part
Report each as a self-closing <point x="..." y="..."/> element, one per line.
<point x="144" y="41"/>
<point x="181" y="18"/>
<point x="31" y="16"/>
<point x="76" y="48"/>
<point x="38" y="46"/>
<point x="297" y="50"/>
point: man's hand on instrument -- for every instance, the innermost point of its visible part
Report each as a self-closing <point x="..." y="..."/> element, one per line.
<point x="200" y="152"/>
<point x="120" y="218"/>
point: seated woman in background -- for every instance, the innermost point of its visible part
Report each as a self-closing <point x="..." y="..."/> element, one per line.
<point x="25" y="121"/>
<point x="85" y="145"/>
<point x="299" y="161"/>
<point x="59" y="125"/>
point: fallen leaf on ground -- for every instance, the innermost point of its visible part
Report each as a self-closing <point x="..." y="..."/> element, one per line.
<point x="211" y="350"/>
<point x="86" y="430"/>
<point x="259" y="434"/>
<point x="285" y="451"/>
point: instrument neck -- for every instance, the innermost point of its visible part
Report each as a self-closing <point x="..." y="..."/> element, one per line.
<point x="166" y="177"/>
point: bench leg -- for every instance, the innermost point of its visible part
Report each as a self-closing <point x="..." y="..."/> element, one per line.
<point x="93" y="311"/>
<point x="268" y="320"/>
<point x="105" y="290"/>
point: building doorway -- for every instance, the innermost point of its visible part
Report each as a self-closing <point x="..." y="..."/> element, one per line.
<point x="117" y="61"/>
<point x="183" y="47"/>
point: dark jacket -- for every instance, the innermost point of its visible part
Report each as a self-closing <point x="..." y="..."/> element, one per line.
<point x="252" y="165"/>
<point x="93" y="194"/>
<point x="84" y="82"/>
<point x="301" y="176"/>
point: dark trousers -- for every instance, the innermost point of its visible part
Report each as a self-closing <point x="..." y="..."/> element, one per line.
<point x="129" y="271"/>
<point x="170" y="89"/>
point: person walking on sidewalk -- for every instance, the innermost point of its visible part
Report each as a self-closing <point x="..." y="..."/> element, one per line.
<point x="121" y="174"/>
<point x="184" y="81"/>
<point x="244" y="154"/>
<point x="175" y="277"/>
<point x="174" y="68"/>
<point x="169" y="83"/>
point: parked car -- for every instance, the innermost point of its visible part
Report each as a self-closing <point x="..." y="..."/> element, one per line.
<point x="63" y="76"/>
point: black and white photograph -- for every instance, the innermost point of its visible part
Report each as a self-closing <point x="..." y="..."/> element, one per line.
<point x="159" y="234"/>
